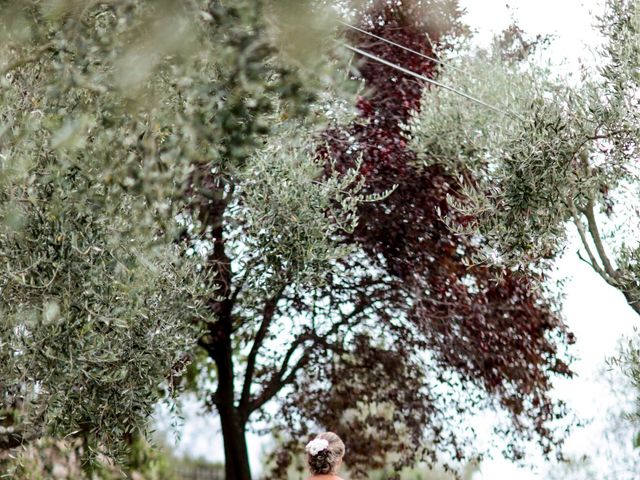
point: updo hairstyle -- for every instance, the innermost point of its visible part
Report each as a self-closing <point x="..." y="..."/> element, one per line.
<point x="326" y="461"/>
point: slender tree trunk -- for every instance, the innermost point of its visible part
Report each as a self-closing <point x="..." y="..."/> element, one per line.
<point x="232" y="420"/>
<point x="236" y="453"/>
<point x="218" y="343"/>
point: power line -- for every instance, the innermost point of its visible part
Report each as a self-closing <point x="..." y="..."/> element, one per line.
<point x="431" y="81"/>
<point x="433" y="59"/>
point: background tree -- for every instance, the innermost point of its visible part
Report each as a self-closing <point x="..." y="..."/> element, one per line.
<point x="110" y="112"/>
<point x="557" y="154"/>
<point x="348" y="352"/>
<point x="177" y="139"/>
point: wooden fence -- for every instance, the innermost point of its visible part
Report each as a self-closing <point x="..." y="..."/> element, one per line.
<point x="199" y="473"/>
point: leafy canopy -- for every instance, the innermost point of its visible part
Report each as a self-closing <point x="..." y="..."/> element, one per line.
<point x="558" y="152"/>
<point x="113" y="116"/>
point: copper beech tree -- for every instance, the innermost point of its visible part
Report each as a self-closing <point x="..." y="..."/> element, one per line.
<point x="399" y="336"/>
<point x="170" y="191"/>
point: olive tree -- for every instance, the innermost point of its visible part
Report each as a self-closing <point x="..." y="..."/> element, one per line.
<point x="547" y="155"/>
<point x="114" y="115"/>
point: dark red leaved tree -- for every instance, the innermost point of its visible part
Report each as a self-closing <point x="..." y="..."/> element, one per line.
<point x="403" y="337"/>
<point x="494" y="332"/>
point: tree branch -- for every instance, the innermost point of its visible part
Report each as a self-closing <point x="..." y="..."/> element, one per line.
<point x="248" y="268"/>
<point x="34" y="57"/>
<point x="632" y="300"/>
<point x="281" y="377"/>
<point x="279" y="380"/>
<point x="585" y="242"/>
<point x="608" y="273"/>
<point x="597" y="239"/>
<point x="19" y="438"/>
<point x="24" y="434"/>
<point x="268" y="311"/>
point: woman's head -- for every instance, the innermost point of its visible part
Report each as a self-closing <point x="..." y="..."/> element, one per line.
<point x="324" y="453"/>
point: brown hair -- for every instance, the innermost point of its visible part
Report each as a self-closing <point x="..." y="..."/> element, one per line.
<point x="326" y="461"/>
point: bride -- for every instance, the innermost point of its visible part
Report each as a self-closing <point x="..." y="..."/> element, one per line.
<point x="324" y="456"/>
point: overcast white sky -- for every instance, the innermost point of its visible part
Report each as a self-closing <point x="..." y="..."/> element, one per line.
<point x="595" y="312"/>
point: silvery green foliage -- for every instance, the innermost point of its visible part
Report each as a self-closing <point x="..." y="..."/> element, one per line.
<point x="108" y="110"/>
<point x="294" y="212"/>
<point x="513" y="168"/>
<point x="97" y="302"/>
<point x="556" y="153"/>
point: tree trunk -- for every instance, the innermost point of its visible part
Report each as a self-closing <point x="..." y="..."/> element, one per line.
<point x="632" y="299"/>
<point x="219" y="345"/>
<point x="236" y="454"/>
<point x="232" y="419"/>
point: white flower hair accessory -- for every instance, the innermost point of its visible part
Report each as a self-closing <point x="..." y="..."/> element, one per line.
<point x="316" y="446"/>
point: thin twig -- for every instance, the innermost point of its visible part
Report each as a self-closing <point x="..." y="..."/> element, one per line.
<point x="34" y="57"/>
